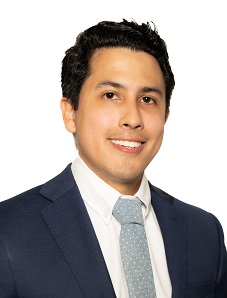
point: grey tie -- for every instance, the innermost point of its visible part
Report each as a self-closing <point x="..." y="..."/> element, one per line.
<point x="134" y="248"/>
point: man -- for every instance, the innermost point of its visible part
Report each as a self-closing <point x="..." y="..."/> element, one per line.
<point x="61" y="239"/>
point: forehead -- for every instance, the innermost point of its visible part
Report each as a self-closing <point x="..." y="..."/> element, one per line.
<point x="126" y="64"/>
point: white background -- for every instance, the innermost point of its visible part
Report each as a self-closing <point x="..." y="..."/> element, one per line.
<point x="35" y="146"/>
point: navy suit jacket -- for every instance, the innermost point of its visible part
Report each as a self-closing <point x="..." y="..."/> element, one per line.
<point x="48" y="247"/>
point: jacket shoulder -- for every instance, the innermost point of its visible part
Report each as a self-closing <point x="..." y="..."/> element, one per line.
<point x="191" y="212"/>
<point x="27" y="201"/>
<point x="35" y="199"/>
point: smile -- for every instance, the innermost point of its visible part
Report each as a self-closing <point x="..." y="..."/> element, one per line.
<point x="127" y="144"/>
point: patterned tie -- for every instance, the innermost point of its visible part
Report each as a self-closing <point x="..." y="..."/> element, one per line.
<point x="134" y="248"/>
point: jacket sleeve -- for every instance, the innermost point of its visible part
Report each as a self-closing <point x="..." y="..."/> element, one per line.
<point x="7" y="286"/>
<point x="221" y="286"/>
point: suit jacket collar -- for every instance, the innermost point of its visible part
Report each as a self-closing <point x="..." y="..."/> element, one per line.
<point x="70" y="225"/>
<point x="174" y="232"/>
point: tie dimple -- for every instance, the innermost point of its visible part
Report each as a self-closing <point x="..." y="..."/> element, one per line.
<point x="134" y="248"/>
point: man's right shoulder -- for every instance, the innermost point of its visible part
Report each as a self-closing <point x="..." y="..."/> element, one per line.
<point x="37" y="198"/>
<point x="28" y="201"/>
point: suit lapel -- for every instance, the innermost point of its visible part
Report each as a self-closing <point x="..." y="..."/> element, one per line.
<point x="70" y="225"/>
<point x="174" y="232"/>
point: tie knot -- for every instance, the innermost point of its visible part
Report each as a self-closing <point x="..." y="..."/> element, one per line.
<point x="128" y="211"/>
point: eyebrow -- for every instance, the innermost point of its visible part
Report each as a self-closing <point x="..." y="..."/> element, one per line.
<point x="110" y="83"/>
<point x="151" y="89"/>
<point x="120" y="86"/>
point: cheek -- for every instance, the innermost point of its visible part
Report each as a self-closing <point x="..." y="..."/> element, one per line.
<point x="100" y="122"/>
<point x="155" y="126"/>
<point x="103" y="118"/>
<point x="92" y="124"/>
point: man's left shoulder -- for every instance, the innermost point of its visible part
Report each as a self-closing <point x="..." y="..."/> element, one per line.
<point x="191" y="212"/>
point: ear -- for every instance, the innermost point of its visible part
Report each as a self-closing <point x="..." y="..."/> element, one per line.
<point x="167" y="115"/>
<point x="68" y="114"/>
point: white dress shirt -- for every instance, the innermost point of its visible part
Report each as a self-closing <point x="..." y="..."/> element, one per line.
<point x="99" y="200"/>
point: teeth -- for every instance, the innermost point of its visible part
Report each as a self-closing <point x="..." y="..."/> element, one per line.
<point x="127" y="143"/>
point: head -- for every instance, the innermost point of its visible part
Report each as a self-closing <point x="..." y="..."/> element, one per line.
<point x="117" y="84"/>
<point x="76" y="65"/>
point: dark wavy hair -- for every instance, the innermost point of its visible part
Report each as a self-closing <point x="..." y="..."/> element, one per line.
<point x="107" y="34"/>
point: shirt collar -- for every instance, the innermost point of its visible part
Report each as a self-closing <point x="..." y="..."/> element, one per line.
<point x="100" y="196"/>
<point x="144" y="194"/>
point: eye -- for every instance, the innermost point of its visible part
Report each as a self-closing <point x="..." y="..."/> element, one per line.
<point x="110" y="95"/>
<point x="147" y="99"/>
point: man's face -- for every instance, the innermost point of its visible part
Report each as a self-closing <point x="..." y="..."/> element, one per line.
<point x="120" y="121"/>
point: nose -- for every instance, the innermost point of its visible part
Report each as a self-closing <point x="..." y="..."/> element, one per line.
<point x="130" y="117"/>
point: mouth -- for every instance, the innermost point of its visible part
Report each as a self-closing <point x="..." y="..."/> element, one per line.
<point x="127" y="144"/>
